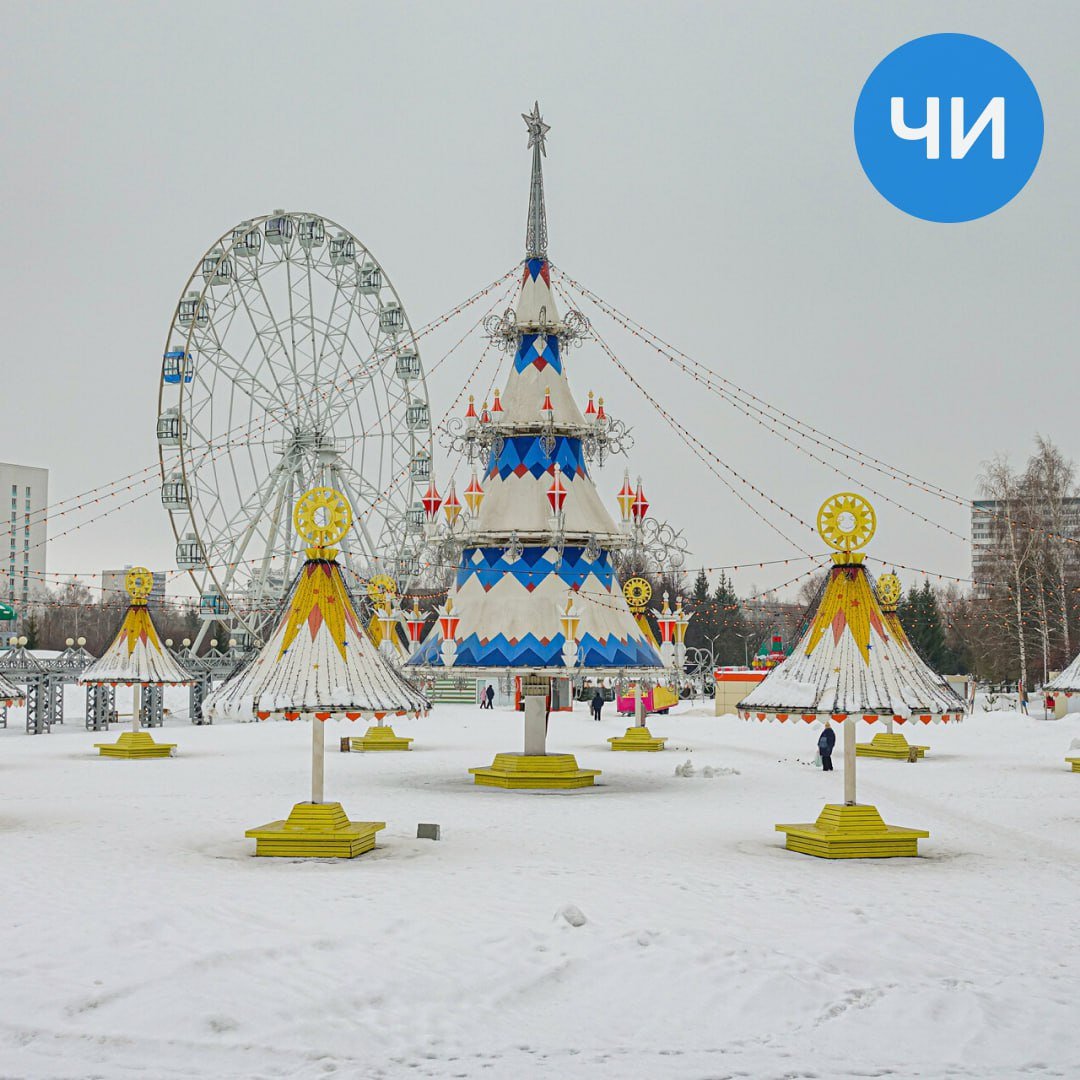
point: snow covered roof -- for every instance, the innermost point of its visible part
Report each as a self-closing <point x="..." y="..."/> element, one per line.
<point x="319" y="660"/>
<point x="136" y="655"/>
<point x="1069" y="680"/>
<point x="850" y="662"/>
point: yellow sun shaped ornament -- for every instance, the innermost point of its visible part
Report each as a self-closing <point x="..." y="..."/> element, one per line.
<point x="322" y="516"/>
<point x="888" y="591"/>
<point x="846" y="522"/>
<point x="638" y="593"/>
<point x="139" y="583"/>
<point x="381" y="586"/>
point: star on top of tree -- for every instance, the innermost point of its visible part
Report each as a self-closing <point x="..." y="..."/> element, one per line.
<point x="537" y="128"/>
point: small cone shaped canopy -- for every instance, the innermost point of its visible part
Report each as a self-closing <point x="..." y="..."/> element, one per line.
<point x="852" y="662"/>
<point x="318" y="660"/>
<point x="136" y="654"/>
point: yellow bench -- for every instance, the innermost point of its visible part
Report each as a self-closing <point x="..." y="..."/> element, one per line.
<point x="315" y="831"/>
<point x="894" y="746"/>
<point x="852" y="832"/>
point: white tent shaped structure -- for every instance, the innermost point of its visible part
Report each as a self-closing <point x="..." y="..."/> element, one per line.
<point x="318" y="663"/>
<point x="1063" y="687"/>
<point x="849" y="667"/>
<point x="136" y="658"/>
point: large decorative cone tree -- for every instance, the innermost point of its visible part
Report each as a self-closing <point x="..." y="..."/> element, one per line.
<point x="849" y="668"/>
<point x="1062" y="688"/>
<point x="135" y="658"/>
<point x="539" y="528"/>
<point x="317" y="664"/>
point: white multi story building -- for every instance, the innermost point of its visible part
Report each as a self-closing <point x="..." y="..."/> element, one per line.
<point x="24" y="497"/>
<point x="987" y="524"/>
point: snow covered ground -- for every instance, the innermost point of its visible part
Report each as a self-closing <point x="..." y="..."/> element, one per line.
<point x="141" y="938"/>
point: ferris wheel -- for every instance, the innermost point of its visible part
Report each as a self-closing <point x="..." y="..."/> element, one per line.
<point x="289" y="364"/>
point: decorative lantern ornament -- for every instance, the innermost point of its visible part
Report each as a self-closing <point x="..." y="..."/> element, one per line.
<point x="547" y="410"/>
<point x="470" y="415"/>
<point x="556" y="494"/>
<point x="590" y="410"/>
<point x="570" y="619"/>
<point x="640" y="506"/>
<point x="432" y="500"/>
<point x="452" y="505"/>
<point x="496" y="406"/>
<point x="474" y="495"/>
<point x="414" y="621"/>
<point x="626" y="498"/>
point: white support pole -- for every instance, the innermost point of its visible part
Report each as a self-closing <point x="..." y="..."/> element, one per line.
<point x="136" y="707"/>
<point x="849" y="762"/>
<point x="535" y="726"/>
<point x="639" y="707"/>
<point x="318" y="758"/>
<point x="888" y="725"/>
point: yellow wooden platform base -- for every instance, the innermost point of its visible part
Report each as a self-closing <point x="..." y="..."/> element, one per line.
<point x="1074" y="762"/>
<point x="638" y="738"/>
<point x="542" y="771"/>
<point x="379" y="738"/>
<point x="852" y="832"/>
<point x="136" y="744"/>
<point x="893" y="746"/>
<point x="316" y="831"/>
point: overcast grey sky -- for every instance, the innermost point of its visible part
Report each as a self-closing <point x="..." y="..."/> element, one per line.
<point x="701" y="174"/>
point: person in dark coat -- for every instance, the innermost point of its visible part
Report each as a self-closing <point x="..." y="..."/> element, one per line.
<point x="826" y="742"/>
<point x="489" y="697"/>
<point x="596" y="705"/>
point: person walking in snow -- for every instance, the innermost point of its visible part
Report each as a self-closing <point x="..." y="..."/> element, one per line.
<point x="826" y="742"/>
<point x="1023" y="699"/>
<point x="489" y="697"/>
<point x="596" y="705"/>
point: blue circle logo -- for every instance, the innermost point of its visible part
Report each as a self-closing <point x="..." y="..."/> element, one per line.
<point x="948" y="127"/>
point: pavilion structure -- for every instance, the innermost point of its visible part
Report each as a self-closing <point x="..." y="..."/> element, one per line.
<point x="850" y="668"/>
<point x="535" y="595"/>
<point x="318" y="663"/>
<point x="1063" y="687"/>
<point x="136" y="658"/>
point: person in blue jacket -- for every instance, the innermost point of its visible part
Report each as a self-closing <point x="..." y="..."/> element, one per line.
<point x="826" y="742"/>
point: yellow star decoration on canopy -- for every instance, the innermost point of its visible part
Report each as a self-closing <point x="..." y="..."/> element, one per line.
<point x="848" y="604"/>
<point x="846" y="522"/>
<point x="322" y="517"/>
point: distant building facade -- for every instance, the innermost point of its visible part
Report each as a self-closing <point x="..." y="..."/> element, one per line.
<point x="24" y="498"/>
<point x="987" y="519"/>
<point x="112" y="586"/>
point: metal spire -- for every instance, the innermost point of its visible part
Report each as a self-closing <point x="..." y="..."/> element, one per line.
<point x="536" y="233"/>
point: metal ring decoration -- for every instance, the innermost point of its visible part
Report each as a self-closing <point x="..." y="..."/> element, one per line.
<point x="381" y="586"/>
<point x="337" y="516"/>
<point x="888" y="591"/>
<point x="846" y="521"/>
<point x="638" y="593"/>
<point x="139" y="583"/>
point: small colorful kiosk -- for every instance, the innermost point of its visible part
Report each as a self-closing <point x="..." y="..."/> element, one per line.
<point x="848" y="667"/>
<point x="136" y="658"/>
<point x="1063" y="687"/>
<point x="318" y="663"/>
